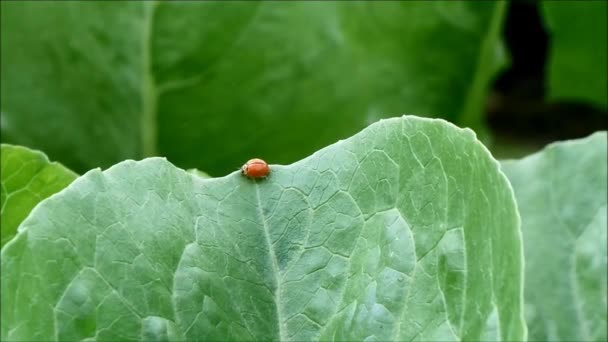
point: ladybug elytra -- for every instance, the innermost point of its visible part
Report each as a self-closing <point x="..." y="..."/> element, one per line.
<point x="255" y="168"/>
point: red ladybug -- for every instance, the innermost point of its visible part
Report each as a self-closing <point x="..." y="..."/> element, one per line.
<point x="255" y="168"/>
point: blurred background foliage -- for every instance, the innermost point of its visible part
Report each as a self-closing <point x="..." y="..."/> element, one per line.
<point x="555" y="87"/>
<point x="209" y="85"/>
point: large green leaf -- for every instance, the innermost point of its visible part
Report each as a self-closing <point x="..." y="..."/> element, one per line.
<point x="132" y="79"/>
<point x="27" y="178"/>
<point x="406" y="231"/>
<point x="578" y="56"/>
<point x="561" y="193"/>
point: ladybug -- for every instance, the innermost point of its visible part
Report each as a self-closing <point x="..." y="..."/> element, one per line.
<point x="255" y="168"/>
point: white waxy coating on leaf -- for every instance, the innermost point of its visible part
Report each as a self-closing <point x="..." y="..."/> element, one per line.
<point x="561" y="193"/>
<point x="406" y="231"/>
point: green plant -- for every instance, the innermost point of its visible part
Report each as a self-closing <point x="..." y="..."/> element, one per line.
<point x="561" y="193"/>
<point x="408" y="230"/>
<point x="251" y="77"/>
<point x="405" y="231"/>
<point x="27" y="178"/>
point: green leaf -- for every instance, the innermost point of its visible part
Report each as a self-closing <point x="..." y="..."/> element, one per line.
<point x="406" y="231"/>
<point x="578" y="55"/>
<point x="561" y="193"/>
<point x="27" y="178"/>
<point x="277" y="80"/>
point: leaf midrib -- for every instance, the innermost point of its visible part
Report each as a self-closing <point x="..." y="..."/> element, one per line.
<point x="474" y="98"/>
<point x="275" y="266"/>
<point x="148" y="85"/>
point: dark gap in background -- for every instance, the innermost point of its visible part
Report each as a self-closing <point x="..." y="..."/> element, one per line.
<point x="518" y="111"/>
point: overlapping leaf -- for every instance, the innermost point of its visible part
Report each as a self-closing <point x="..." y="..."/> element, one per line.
<point x="27" y="178"/>
<point x="561" y="193"/>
